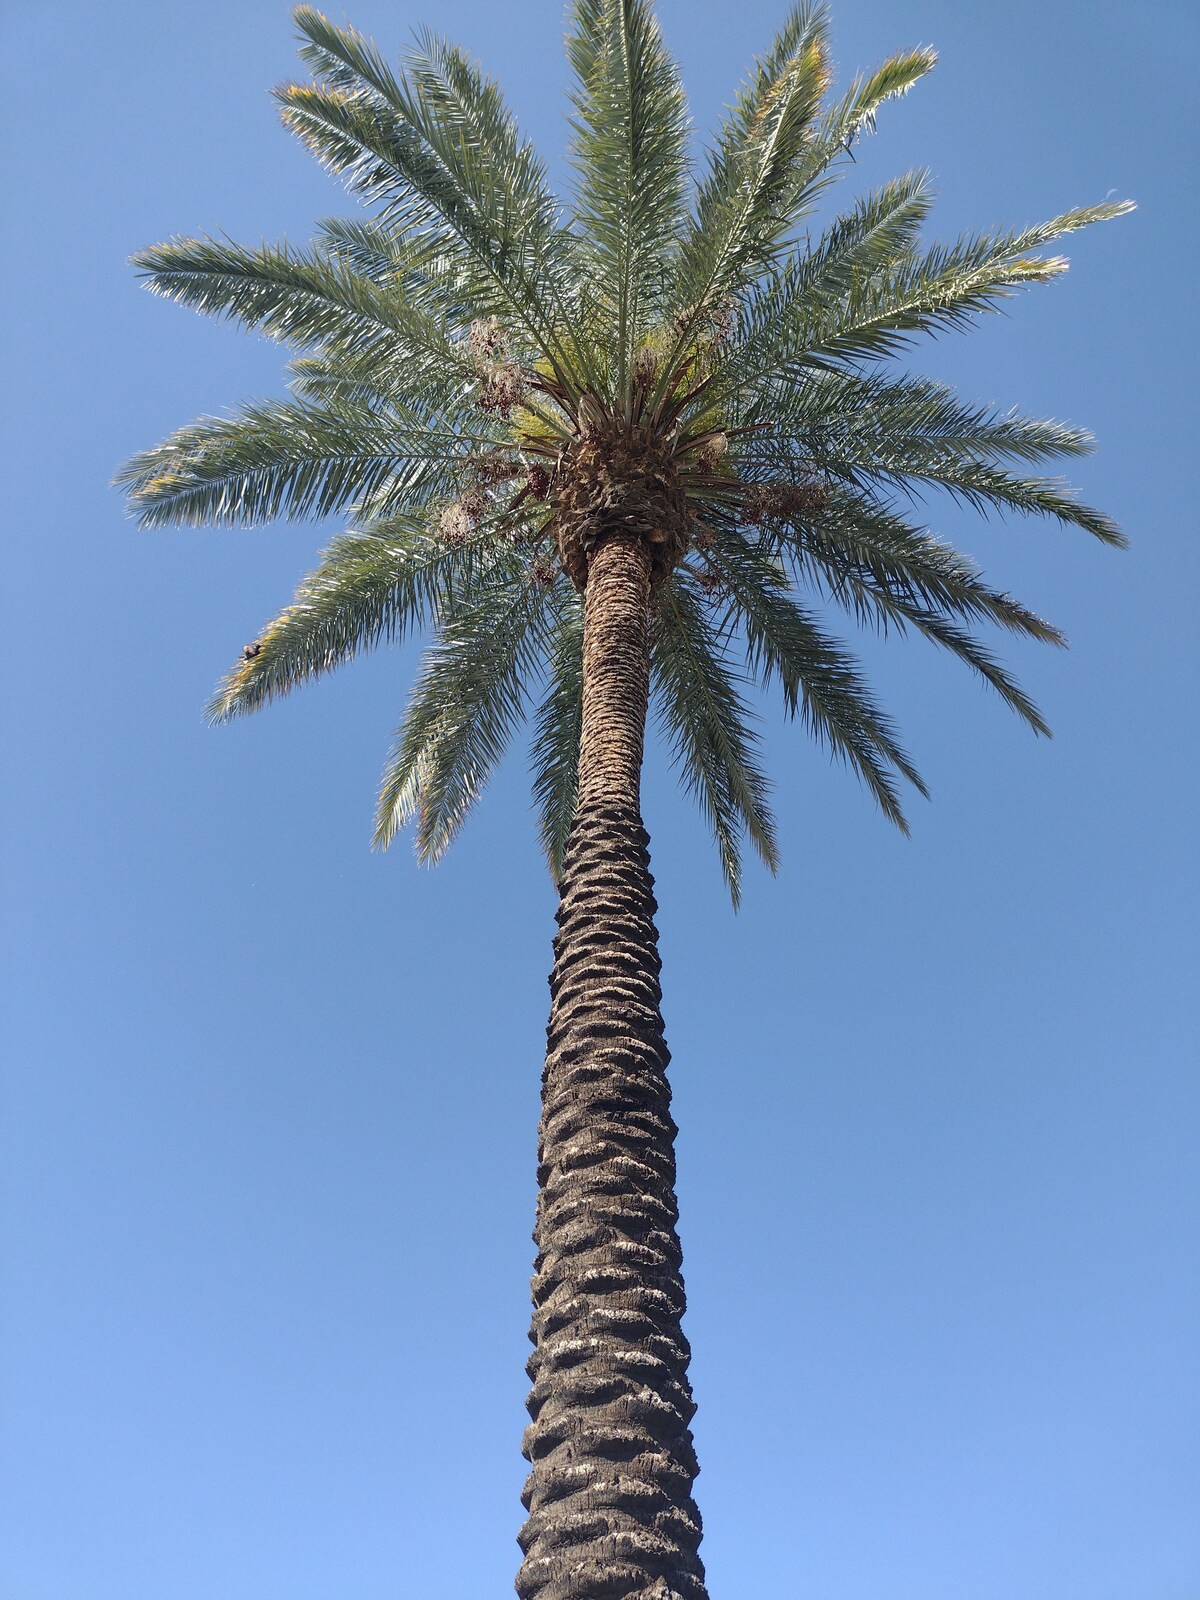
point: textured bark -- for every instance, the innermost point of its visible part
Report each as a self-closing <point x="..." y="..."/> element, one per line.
<point x="619" y="481"/>
<point x="611" y="1515"/>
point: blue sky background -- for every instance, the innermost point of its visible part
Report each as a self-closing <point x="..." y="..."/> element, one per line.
<point x="269" y="1118"/>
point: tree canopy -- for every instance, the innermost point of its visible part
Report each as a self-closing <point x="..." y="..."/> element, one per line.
<point x="472" y="354"/>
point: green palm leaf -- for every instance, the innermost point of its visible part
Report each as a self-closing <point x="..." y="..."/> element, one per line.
<point x="706" y="718"/>
<point x="557" y="730"/>
<point x="840" y="418"/>
<point x="821" y="682"/>
<point x="859" y="547"/>
<point x="945" y="287"/>
<point x="881" y="227"/>
<point x="742" y="209"/>
<point x="844" y="122"/>
<point x="772" y="154"/>
<point x="888" y="575"/>
<point x="443" y="155"/>
<point x="302" y="298"/>
<point x="484" y="382"/>
<point x="468" y="700"/>
<point x="280" y="458"/>
<point x="371" y="587"/>
<point x="629" y="153"/>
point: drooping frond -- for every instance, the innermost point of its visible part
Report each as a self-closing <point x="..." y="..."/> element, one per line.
<point x="983" y="486"/>
<point x="821" y="682"/>
<point x="629" y="154"/>
<point x="888" y="575"/>
<point x="279" y="458"/>
<point x="372" y="586"/>
<point x="708" y="722"/>
<point x="863" y="554"/>
<point x="468" y="700"/>
<point x="941" y="630"/>
<point x="558" y="727"/>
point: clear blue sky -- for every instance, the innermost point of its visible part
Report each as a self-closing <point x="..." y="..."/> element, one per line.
<point x="269" y="1118"/>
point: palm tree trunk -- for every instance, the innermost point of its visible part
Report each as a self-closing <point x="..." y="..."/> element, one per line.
<point x="611" y="1515"/>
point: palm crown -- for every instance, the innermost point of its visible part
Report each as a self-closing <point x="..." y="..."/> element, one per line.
<point x="486" y="377"/>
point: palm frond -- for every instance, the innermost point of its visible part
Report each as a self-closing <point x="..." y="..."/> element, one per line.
<point x="707" y="720"/>
<point x="985" y="486"/>
<point x="946" y="287"/>
<point x="370" y="248"/>
<point x="742" y="209"/>
<point x="855" y="112"/>
<point x="820" y="680"/>
<point x="333" y="380"/>
<point x="303" y="298"/>
<point x="864" y="554"/>
<point x="881" y="228"/>
<point x="468" y="699"/>
<point x="372" y="586"/>
<point x="440" y="152"/>
<point x="870" y="430"/>
<point x="629" y="154"/>
<point x="281" y="458"/>
<point x="558" y="728"/>
<point x="858" y="427"/>
<point x="873" y="418"/>
<point x="889" y="575"/>
<point x="941" y="630"/>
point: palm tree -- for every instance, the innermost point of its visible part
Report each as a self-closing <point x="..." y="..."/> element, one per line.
<point x="633" y="449"/>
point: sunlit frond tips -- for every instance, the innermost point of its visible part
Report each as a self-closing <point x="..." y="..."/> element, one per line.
<point x="488" y="382"/>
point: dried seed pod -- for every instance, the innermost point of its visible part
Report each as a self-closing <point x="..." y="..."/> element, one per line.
<point x="724" y="321"/>
<point x="454" y="524"/>
<point x="711" y="451"/>
<point x="494" y="468"/>
<point x="502" y="389"/>
<point x="781" y="502"/>
<point x="645" y="368"/>
<point x="811" y="497"/>
<point x="485" y="341"/>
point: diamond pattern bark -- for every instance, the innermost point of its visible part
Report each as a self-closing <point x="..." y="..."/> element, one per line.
<point x="611" y="1514"/>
